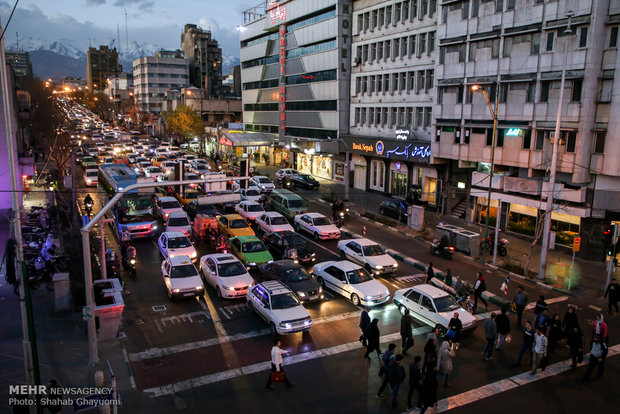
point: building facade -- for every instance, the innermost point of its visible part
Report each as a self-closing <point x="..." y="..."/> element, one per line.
<point x="119" y="88"/>
<point x="515" y="50"/>
<point x="215" y="112"/>
<point x="392" y="91"/>
<point x="20" y="63"/>
<point x="205" y="59"/>
<point x="100" y="65"/>
<point x="295" y="74"/>
<point x="154" y="75"/>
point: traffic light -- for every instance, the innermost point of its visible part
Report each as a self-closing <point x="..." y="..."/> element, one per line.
<point x="610" y="238"/>
<point x="608" y="232"/>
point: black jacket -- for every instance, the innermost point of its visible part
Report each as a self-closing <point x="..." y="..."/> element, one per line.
<point x="429" y="390"/>
<point x="414" y="376"/>
<point x="570" y="321"/>
<point x="503" y="324"/>
<point x="372" y="335"/>
<point x="613" y="291"/>
<point x="405" y="327"/>
<point x="364" y="320"/>
<point x="395" y="373"/>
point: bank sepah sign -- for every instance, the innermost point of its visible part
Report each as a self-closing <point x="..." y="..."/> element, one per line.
<point x="414" y="151"/>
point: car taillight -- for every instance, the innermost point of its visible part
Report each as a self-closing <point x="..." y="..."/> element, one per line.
<point x="451" y="248"/>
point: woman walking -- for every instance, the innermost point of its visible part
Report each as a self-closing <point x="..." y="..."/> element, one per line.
<point x="444" y="361"/>
<point x="576" y="342"/>
<point x="372" y="335"/>
<point x="555" y="332"/>
<point x="430" y="356"/>
<point x="429" y="392"/>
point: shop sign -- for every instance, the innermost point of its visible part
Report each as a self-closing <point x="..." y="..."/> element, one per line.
<point x="398" y="165"/>
<point x="225" y="141"/>
<point x="363" y="147"/>
<point x="413" y="151"/>
<point x="276" y="11"/>
<point x="339" y="169"/>
<point x="416" y="151"/>
<point x="403" y="134"/>
<point x="513" y="132"/>
<point x="282" y="98"/>
<point x="345" y="35"/>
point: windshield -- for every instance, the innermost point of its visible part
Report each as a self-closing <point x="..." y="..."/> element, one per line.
<point x="253" y="247"/>
<point x="179" y="243"/>
<point x="358" y="276"/>
<point x="230" y="269"/>
<point x="288" y="300"/>
<point x="91" y="173"/>
<point x="154" y="170"/>
<point x="296" y="203"/>
<point x="136" y="210"/>
<point x="264" y="180"/>
<point x="446" y="304"/>
<point x="178" y="221"/>
<point x="252" y="193"/>
<point x="373" y="250"/>
<point x="207" y="209"/>
<point x="238" y="224"/>
<point x="321" y="221"/>
<point x="278" y="220"/>
<point x="296" y="274"/>
<point x="170" y="204"/>
<point x="294" y="240"/>
<point x="187" y="270"/>
<point x="254" y="207"/>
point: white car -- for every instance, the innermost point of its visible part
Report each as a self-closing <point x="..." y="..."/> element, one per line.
<point x="272" y="221"/>
<point x="228" y="276"/>
<point x="251" y="193"/>
<point x="200" y="169"/>
<point x="175" y="243"/>
<point x="181" y="277"/>
<point x="369" y="254"/>
<point x="168" y="167"/>
<point x="91" y="177"/>
<point x="318" y="225"/>
<point x="178" y="221"/>
<point x="262" y="182"/>
<point x="284" y="172"/>
<point x="432" y="306"/>
<point x="351" y="281"/>
<point x="168" y="205"/>
<point x="154" y="172"/>
<point x="249" y="210"/>
<point x="279" y="307"/>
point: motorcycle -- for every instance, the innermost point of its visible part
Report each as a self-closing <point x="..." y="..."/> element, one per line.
<point x="339" y="220"/>
<point x="488" y="244"/>
<point x="444" y="251"/>
<point x="38" y="273"/>
<point x="89" y="208"/>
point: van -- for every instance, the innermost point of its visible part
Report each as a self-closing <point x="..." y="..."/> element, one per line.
<point x="287" y="203"/>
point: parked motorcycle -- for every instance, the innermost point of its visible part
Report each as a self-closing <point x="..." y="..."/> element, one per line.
<point x="487" y="245"/>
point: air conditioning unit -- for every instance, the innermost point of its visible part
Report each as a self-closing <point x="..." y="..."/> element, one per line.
<point x="357" y="61"/>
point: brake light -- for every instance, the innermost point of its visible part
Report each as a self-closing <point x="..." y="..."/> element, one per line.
<point x="451" y="248"/>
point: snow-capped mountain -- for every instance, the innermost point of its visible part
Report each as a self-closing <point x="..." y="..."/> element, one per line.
<point x="63" y="47"/>
<point x="228" y="62"/>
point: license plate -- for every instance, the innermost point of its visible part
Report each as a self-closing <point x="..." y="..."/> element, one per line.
<point x="189" y="294"/>
<point x="314" y="297"/>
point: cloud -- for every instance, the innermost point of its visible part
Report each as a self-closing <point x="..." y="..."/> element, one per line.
<point x="94" y="2"/>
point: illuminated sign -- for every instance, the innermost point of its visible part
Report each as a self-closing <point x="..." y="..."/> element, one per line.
<point x="307" y="76"/>
<point x="275" y="11"/>
<point x="363" y="147"/>
<point x="422" y="151"/>
<point x="398" y="165"/>
<point x="380" y="147"/>
<point x="513" y="132"/>
<point x="225" y="141"/>
<point x="282" y="82"/>
<point x="403" y="134"/>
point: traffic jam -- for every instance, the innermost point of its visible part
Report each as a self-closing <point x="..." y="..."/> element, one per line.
<point x="237" y="261"/>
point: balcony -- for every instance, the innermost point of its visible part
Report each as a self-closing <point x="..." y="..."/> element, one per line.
<point x="479" y="179"/>
<point x="522" y="185"/>
<point x="566" y="194"/>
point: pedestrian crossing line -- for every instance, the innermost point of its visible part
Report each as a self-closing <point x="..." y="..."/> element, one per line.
<point x="498" y="387"/>
<point x="410" y="278"/>
<point x="532" y="305"/>
<point x="222" y="311"/>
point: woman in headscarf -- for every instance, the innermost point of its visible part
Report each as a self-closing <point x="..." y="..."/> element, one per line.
<point x="444" y="361"/>
<point x="372" y="335"/>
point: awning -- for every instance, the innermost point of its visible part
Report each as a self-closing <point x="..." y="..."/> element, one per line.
<point x="247" y="139"/>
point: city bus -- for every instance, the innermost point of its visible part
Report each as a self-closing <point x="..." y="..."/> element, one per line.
<point x="135" y="214"/>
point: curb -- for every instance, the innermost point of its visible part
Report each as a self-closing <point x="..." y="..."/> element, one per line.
<point x="129" y="370"/>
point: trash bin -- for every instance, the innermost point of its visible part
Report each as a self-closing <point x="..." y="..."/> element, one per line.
<point x="109" y="306"/>
<point x="62" y="296"/>
<point x="446" y="230"/>
<point x="467" y="242"/>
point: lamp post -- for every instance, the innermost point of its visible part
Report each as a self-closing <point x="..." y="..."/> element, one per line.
<point x="554" y="158"/>
<point x="493" y="111"/>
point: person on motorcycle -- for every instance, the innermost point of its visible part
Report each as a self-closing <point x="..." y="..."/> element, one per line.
<point x="88" y="204"/>
<point x="222" y="243"/>
<point x="336" y="208"/>
<point x="444" y="242"/>
<point x="290" y="253"/>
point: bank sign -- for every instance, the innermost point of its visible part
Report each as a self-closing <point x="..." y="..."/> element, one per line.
<point x="414" y="151"/>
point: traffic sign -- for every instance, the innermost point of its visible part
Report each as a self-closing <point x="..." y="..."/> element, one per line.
<point x="86" y="313"/>
<point x="576" y="244"/>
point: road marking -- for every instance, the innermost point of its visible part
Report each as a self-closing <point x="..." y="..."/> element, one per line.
<point x="596" y="308"/>
<point x="532" y="305"/>
<point x="161" y="331"/>
<point x="224" y="313"/>
<point x="410" y="278"/>
<point x="209" y="308"/>
<point x="265" y="366"/>
<point x="316" y="244"/>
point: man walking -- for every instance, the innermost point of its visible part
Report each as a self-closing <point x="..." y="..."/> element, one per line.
<point x="479" y="287"/>
<point x="520" y="301"/>
<point x="540" y="350"/>
<point x="613" y="291"/>
<point x="430" y="273"/>
<point x="364" y="322"/>
<point x="598" y="354"/>
<point x="490" y="332"/>
<point x="415" y="380"/>
<point x="406" y="331"/>
<point x="387" y="359"/>
<point x="503" y="328"/>
<point x="396" y="376"/>
<point x="528" y="342"/>
<point x="276" y="365"/>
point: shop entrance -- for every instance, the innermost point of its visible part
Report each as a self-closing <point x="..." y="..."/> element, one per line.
<point x="399" y="184"/>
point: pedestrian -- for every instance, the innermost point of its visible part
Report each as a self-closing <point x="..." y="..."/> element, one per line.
<point x="364" y="322"/>
<point x="429" y="392"/>
<point x="539" y="351"/>
<point x="415" y="381"/>
<point x="386" y="360"/>
<point x="444" y="361"/>
<point x="504" y="287"/>
<point x="570" y="320"/>
<point x="396" y="375"/>
<point x="598" y="354"/>
<point x="613" y="291"/>
<point x="456" y="325"/>
<point x="490" y="332"/>
<point x="430" y="273"/>
<point x="406" y="331"/>
<point x="520" y="301"/>
<point x="542" y="321"/>
<point x="555" y="332"/>
<point x="448" y="279"/>
<point x="503" y="328"/>
<point x="600" y="328"/>
<point x="276" y="365"/>
<point x="434" y="335"/>
<point x="430" y="356"/>
<point x="54" y="394"/>
<point x="576" y="342"/>
<point x="372" y="335"/>
<point x="479" y="287"/>
<point x="529" y="333"/>
<point x="541" y="305"/>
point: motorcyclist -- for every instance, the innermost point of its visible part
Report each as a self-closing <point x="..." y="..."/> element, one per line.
<point x="336" y="208"/>
<point x="88" y="203"/>
<point x="290" y="253"/>
<point x="222" y="243"/>
<point x="444" y="242"/>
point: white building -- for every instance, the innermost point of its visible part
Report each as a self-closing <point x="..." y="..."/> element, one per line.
<point x="153" y="76"/>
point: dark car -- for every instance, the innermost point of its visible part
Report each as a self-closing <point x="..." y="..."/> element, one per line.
<point x="396" y="209"/>
<point x="193" y="208"/>
<point x="301" y="180"/>
<point x="293" y="275"/>
<point x="277" y="243"/>
<point x="227" y="206"/>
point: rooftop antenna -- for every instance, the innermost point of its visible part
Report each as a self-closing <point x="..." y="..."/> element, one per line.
<point x="126" y="34"/>
<point x="118" y="36"/>
<point x="17" y="41"/>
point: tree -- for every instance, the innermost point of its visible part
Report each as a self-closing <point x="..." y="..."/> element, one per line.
<point x="185" y="122"/>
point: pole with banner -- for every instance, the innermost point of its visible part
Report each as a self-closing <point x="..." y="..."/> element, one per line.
<point x="576" y="247"/>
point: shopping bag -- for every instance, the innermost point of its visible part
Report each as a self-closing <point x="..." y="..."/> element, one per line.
<point x="277" y="376"/>
<point x="451" y="334"/>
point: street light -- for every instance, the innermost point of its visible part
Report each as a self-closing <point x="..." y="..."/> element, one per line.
<point x="478" y="88"/>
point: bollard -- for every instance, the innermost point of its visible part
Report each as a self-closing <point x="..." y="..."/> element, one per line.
<point x="363" y="230"/>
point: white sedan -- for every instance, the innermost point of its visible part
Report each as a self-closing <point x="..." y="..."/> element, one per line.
<point x="179" y="221"/>
<point x="318" y="225"/>
<point x="175" y="243"/>
<point x="154" y="172"/>
<point x="284" y="172"/>
<point x="249" y="210"/>
<point x="351" y="281"/>
<point x="251" y="193"/>
<point x="272" y="221"/>
<point x="369" y="254"/>
<point x="262" y="182"/>
<point x="226" y="274"/>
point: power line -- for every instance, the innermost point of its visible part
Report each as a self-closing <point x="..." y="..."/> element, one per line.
<point x="9" y="21"/>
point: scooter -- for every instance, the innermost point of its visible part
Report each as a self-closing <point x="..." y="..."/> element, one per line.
<point x="131" y="261"/>
<point x="444" y="251"/>
<point x="89" y="208"/>
<point x="487" y="245"/>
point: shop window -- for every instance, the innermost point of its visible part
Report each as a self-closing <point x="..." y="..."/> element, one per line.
<point x="571" y="141"/>
<point x="522" y="223"/>
<point x="489" y="133"/>
<point x="599" y="142"/>
<point x="499" y="138"/>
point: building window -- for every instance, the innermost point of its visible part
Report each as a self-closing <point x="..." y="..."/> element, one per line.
<point x="613" y="38"/>
<point x="527" y="139"/>
<point x="420" y="82"/>
<point x="388" y="49"/>
<point x="531" y="92"/>
<point x="358" y="85"/>
<point x="378" y="116"/>
<point x="499" y="138"/>
<point x="409" y="118"/>
<point x="583" y="37"/>
<point x="363" y="117"/>
<point x="379" y="83"/>
<point x="364" y="84"/>
<point x="397" y="10"/>
<point x="576" y="96"/>
<point x="430" y="79"/>
<point x="599" y="142"/>
<point x="401" y="117"/>
<point x="406" y="10"/>
<point x="499" y="6"/>
<point x="540" y="140"/>
<point x="394" y="82"/>
<point x="371" y="87"/>
<point x="394" y="113"/>
<point x="475" y="6"/>
<point x="379" y="51"/>
<point x="366" y="21"/>
<point x="489" y="133"/>
<point x="396" y="48"/>
<point x="373" y="20"/>
<point x="365" y="53"/>
<point x="357" y="115"/>
<point x="571" y="141"/>
<point x="503" y="93"/>
<point x="419" y="117"/>
<point x="510" y="5"/>
<point x="403" y="47"/>
<point x="410" y="80"/>
<point x="428" y="116"/>
<point x="606" y="90"/>
<point x="373" y="52"/>
<point x="422" y="43"/>
<point x="388" y="15"/>
<point x="549" y="47"/>
<point x="412" y="44"/>
<point x="403" y="82"/>
<point x="380" y="17"/>
<point x="544" y="91"/>
<point x="371" y="115"/>
<point x="384" y="119"/>
<point x="360" y="23"/>
<point x="431" y="41"/>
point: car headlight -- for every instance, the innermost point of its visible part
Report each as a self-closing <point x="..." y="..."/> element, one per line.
<point x="313" y="255"/>
<point x="194" y="254"/>
<point x="200" y="287"/>
<point x="308" y="321"/>
<point x="320" y="289"/>
<point x="232" y="289"/>
<point x="155" y="227"/>
<point x="271" y="261"/>
<point x="176" y="290"/>
<point x="132" y="261"/>
<point x="89" y="181"/>
<point x="285" y="325"/>
<point x="301" y="294"/>
<point x="379" y="267"/>
<point x="252" y="264"/>
<point x="395" y="264"/>
<point x="368" y="297"/>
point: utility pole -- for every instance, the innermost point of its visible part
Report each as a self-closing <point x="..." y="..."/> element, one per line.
<point x="554" y="158"/>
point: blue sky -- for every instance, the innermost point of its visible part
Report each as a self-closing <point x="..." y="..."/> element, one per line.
<point x="149" y="21"/>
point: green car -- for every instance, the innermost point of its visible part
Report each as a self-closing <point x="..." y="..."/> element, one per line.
<point x="250" y="250"/>
<point x="89" y="162"/>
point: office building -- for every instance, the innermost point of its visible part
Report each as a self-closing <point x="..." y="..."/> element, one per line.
<point x="19" y="61"/>
<point x="100" y="65"/>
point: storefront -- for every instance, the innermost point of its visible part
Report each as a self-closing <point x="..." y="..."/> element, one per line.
<point x="322" y="166"/>
<point x="233" y="146"/>
<point x="304" y="163"/>
<point x="398" y="179"/>
<point x="359" y="171"/>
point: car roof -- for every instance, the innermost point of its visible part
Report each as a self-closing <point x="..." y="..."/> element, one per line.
<point x="273" y="214"/>
<point x="246" y="239"/>
<point x="233" y="216"/>
<point x="345" y="265"/>
<point x="173" y="234"/>
<point x="222" y="257"/>
<point x="287" y="264"/>
<point x="178" y="214"/>
<point x="167" y="198"/>
<point x="91" y="170"/>
<point x="179" y="260"/>
<point x="274" y="287"/>
<point x="251" y="202"/>
<point x="314" y="215"/>
<point x="361" y="242"/>
<point x="260" y="176"/>
<point x="430" y="290"/>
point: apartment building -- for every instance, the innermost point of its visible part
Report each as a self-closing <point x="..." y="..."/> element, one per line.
<point x="515" y="49"/>
<point x="20" y="63"/>
<point x="100" y="64"/>
<point x="205" y="59"/>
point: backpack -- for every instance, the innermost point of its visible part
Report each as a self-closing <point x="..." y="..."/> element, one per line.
<point x="483" y="286"/>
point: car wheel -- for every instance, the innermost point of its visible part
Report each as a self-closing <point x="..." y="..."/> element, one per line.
<point x="218" y="292"/>
<point x="442" y="330"/>
<point x="355" y="300"/>
<point x="316" y="236"/>
<point x="321" y="282"/>
<point x="382" y="211"/>
<point x="342" y="255"/>
<point x="273" y="329"/>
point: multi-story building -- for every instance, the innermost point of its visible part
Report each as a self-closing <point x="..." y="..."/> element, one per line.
<point x="205" y="59"/>
<point x="119" y="88"/>
<point x="100" y="65"/>
<point x="516" y="49"/>
<point x="392" y="90"/>
<point x="154" y="75"/>
<point x="215" y="112"/>
<point x="295" y="72"/>
<point x="20" y="63"/>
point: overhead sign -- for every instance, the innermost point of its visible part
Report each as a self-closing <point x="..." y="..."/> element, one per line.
<point x="276" y="11"/>
<point x="397" y="150"/>
<point x="513" y="132"/>
<point x="403" y="134"/>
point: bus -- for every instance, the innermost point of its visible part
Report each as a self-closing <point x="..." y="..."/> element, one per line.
<point x="135" y="214"/>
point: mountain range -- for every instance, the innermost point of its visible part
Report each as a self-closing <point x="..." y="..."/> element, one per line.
<point x="60" y="58"/>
